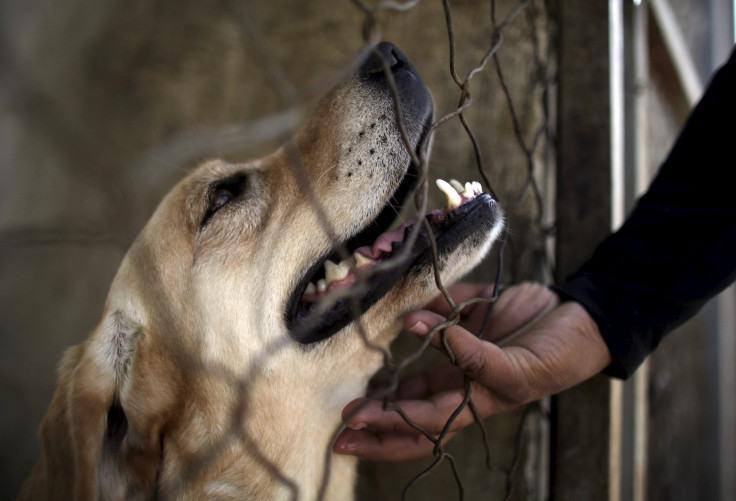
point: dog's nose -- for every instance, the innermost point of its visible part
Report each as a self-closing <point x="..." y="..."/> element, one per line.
<point x="388" y="52"/>
<point x="411" y="93"/>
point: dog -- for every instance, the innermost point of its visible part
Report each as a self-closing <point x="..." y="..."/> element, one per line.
<point x="231" y="339"/>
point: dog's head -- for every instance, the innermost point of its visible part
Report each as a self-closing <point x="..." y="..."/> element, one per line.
<point x="291" y="248"/>
<point x="244" y="295"/>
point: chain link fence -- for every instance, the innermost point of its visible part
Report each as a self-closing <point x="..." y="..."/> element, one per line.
<point x="494" y="94"/>
<point x="522" y="183"/>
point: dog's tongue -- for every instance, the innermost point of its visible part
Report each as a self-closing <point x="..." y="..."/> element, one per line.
<point x="384" y="241"/>
<point x="383" y="244"/>
<point x="457" y="195"/>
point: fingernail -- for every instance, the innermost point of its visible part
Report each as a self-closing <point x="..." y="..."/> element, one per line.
<point x="346" y="447"/>
<point x="419" y="328"/>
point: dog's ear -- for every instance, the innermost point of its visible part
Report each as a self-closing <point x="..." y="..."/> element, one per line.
<point x="101" y="437"/>
<point x="72" y="431"/>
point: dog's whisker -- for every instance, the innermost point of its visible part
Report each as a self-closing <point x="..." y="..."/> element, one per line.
<point x="325" y="173"/>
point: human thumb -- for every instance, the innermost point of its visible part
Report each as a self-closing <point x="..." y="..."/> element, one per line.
<point x="477" y="358"/>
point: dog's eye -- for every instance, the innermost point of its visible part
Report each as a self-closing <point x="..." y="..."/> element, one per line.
<point x="221" y="193"/>
<point x="219" y="198"/>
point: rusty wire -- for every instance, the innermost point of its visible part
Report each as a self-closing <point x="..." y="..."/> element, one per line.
<point x="292" y="97"/>
<point x="465" y="101"/>
<point x="280" y="125"/>
<point x="529" y="151"/>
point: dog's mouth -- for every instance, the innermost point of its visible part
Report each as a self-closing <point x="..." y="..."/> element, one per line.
<point x="334" y="292"/>
<point x="345" y="282"/>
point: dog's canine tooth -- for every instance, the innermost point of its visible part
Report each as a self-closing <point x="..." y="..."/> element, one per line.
<point x="336" y="271"/>
<point x="321" y="285"/>
<point x="311" y="288"/>
<point x="468" y="191"/>
<point x="457" y="185"/>
<point x="453" y="197"/>
<point x="361" y="260"/>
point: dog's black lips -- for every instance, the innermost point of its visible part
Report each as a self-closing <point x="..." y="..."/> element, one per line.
<point x="471" y="221"/>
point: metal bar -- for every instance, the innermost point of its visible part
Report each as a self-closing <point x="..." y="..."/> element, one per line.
<point x="722" y="32"/>
<point x="616" y="90"/>
<point x="680" y="58"/>
<point x="585" y="418"/>
<point x="722" y="38"/>
<point x="725" y="305"/>
<point x="635" y="391"/>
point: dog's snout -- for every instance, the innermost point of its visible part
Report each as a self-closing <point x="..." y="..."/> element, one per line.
<point x="408" y="91"/>
<point x="384" y="53"/>
<point x="413" y="94"/>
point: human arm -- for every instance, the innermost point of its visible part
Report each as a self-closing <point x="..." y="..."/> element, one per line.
<point x="677" y="249"/>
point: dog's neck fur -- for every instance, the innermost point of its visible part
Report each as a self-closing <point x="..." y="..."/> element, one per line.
<point x="270" y="442"/>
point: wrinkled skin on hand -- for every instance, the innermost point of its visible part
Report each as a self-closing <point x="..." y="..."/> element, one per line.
<point x="534" y="346"/>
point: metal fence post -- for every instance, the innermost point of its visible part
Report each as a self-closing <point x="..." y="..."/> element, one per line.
<point x="586" y="419"/>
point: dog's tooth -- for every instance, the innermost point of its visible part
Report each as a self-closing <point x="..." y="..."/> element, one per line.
<point x="321" y="285"/>
<point x="344" y="267"/>
<point x="361" y="260"/>
<point x="311" y="288"/>
<point x="477" y="187"/>
<point x="335" y="271"/>
<point x="453" y="197"/>
<point x="457" y="185"/>
<point x="468" y="192"/>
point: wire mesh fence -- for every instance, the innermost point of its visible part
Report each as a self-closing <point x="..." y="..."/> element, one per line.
<point x="494" y="121"/>
<point x="524" y="251"/>
<point x="533" y="139"/>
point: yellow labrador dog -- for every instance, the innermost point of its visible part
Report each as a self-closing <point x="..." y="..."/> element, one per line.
<point x="229" y="344"/>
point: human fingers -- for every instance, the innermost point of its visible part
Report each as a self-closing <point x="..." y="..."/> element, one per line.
<point x="557" y="351"/>
<point x="497" y="371"/>
<point x="517" y="307"/>
<point x="386" y="446"/>
<point x="407" y="416"/>
<point x="459" y="292"/>
<point x="441" y="375"/>
<point x="514" y="308"/>
<point x="406" y="429"/>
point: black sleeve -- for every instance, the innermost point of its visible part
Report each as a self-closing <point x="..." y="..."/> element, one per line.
<point x="677" y="249"/>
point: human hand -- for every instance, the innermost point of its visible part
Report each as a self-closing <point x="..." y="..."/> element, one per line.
<point x="534" y="347"/>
